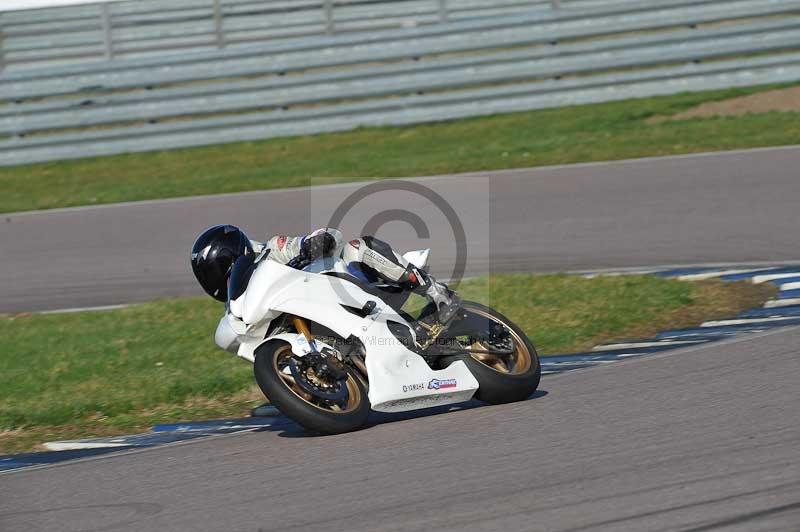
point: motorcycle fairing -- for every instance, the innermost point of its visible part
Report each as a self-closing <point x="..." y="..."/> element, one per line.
<point x="418" y="258"/>
<point x="300" y="345"/>
<point x="399" y="379"/>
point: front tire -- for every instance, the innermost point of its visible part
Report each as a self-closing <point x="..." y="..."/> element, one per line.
<point x="314" y="414"/>
<point x="502" y="381"/>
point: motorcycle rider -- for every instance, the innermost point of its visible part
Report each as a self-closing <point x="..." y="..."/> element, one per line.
<point x="367" y="258"/>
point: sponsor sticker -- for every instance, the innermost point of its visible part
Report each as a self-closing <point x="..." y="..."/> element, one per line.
<point x="416" y="387"/>
<point x="375" y="256"/>
<point x="355" y="243"/>
<point x="281" y="242"/>
<point x="440" y="384"/>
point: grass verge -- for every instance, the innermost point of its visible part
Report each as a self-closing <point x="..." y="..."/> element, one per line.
<point x="103" y="373"/>
<point x="605" y="131"/>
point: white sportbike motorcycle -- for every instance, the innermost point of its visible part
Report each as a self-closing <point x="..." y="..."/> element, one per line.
<point x="328" y="347"/>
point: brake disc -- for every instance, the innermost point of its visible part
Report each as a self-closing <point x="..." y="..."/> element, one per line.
<point x="305" y="375"/>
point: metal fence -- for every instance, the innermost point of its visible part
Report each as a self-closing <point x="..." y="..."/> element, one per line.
<point x="134" y="29"/>
<point x="581" y="52"/>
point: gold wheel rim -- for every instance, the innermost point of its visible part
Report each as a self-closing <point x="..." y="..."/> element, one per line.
<point x="281" y="361"/>
<point x="516" y="363"/>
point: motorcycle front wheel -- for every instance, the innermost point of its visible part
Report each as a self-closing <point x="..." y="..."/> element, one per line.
<point x="318" y="413"/>
<point x="501" y="378"/>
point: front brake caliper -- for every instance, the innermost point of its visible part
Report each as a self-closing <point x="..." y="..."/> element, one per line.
<point x="499" y="337"/>
<point x="320" y="375"/>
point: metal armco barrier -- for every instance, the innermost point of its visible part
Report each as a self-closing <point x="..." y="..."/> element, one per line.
<point x="199" y="75"/>
<point x="128" y="29"/>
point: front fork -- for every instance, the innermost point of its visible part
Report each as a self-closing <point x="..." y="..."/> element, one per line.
<point x="302" y="327"/>
<point x="355" y="359"/>
<point x="327" y="362"/>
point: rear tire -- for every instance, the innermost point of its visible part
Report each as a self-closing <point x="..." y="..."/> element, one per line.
<point x="313" y="417"/>
<point x="496" y="386"/>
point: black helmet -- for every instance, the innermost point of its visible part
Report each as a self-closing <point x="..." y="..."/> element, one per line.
<point x="213" y="255"/>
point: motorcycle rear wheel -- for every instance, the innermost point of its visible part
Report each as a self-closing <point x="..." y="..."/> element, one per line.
<point x="502" y="379"/>
<point x="313" y="413"/>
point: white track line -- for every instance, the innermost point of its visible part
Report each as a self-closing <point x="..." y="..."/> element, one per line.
<point x="83" y="309"/>
<point x="711" y="275"/>
<point x="568" y="363"/>
<point x="80" y="446"/>
<point x="748" y="266"/>
<point x="758" y="279"/>
<point x="790" y="286"/>
<point x="221" y="428"/>
<point x="644" y="271"/>
<point x="637" y="345"/>
<point x="748" y="321"/>
<point x="777" y="303"/>
<point x="681" y="351"/>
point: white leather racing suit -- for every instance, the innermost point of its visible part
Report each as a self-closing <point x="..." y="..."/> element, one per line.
<point x="367" y="257"/>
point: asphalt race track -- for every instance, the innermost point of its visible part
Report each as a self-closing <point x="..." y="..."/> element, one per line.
<point x="727" y="207"/>
<point x="699" y="439"/>
<point x="704" y="439"/>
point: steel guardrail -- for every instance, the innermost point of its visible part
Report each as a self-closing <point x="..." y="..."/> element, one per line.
<point x="124" y="29"/>
<point x="531" y="17"/>
<point x="306" y="54"/>
<point x="597" y="50"/>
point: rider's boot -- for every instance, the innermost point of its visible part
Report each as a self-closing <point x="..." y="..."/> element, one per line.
<point x="446" y="301"/>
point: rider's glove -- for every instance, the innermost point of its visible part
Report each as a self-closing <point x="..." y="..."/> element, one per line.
<point x="414" y="279"/>
<point x="316" y="246"/>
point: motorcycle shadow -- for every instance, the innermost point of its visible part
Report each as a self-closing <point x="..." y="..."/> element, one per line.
<point x="292" y="430"/>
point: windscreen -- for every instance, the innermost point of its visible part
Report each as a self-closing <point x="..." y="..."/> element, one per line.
<point x="241" y="272"/>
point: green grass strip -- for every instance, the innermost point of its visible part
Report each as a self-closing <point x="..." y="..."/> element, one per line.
<point x="557" y="136"/>
<point x="120" y="371"/>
